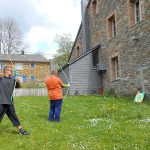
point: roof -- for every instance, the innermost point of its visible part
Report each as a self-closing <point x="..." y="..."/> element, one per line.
<point x="23" y="58"/>
<point x="75" y="41"/>
<point x="94" y="48"/>
<point x="69" y="63"/>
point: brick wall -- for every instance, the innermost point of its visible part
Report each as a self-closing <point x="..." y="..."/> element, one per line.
<point x="40" y="71"/>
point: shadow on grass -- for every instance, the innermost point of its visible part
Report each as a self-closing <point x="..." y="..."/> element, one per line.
<point x="9" y="131"/>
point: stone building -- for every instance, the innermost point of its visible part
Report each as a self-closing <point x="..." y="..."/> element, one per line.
<point x="112" y="48"/>
<point x="32" y="69"/>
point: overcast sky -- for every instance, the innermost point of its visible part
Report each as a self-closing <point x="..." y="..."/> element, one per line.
<point x="41" y="20"/>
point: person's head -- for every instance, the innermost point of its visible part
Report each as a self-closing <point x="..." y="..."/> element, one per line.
<point x="138" y="89"/>
<point x="7" y="71"/>
<point x="55" y="73"/>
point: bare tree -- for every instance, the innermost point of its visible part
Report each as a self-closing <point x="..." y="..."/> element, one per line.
<point x="10" y="36"/>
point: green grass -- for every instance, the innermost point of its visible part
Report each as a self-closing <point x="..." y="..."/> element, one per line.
<point x="87" y="123"/>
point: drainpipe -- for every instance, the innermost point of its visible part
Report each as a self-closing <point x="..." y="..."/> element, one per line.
<point x="142" y="78"/>
<point x="85" y="25"/>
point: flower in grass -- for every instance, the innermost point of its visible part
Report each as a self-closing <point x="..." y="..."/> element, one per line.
<point x="94" y="122"/>
<point x="146" y="120"/>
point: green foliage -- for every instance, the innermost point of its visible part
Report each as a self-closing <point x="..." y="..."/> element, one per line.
<point x="65" y="45"/>
<point x="87" y="122"/>
<point x="111" y="92"/>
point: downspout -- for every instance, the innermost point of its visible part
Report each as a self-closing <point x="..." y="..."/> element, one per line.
<point x="85" y="25"/>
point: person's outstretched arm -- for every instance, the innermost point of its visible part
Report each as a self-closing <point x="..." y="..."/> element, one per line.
<point x="18" y="84"/>
<point x="65" y="85"/>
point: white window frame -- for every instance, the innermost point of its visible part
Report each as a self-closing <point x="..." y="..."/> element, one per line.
<point x="116" y="68"/>
<point x="140" y="14"/>
<point x="113" y="22"/>
<point x="19" y="66"/>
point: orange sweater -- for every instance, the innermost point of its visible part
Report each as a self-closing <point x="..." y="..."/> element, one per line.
<point x="54" y="87"/>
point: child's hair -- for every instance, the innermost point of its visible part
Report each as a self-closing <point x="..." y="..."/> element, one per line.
<point x="139" y="89"/>
<point x="6" y="68"/>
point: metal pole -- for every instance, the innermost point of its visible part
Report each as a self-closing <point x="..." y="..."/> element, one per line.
<point x="142" y="78"/>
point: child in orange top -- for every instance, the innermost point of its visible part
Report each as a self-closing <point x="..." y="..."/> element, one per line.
<point x="54" y="86"/>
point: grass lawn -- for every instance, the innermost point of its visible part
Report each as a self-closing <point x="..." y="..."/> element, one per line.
<point x="87" y="123"/>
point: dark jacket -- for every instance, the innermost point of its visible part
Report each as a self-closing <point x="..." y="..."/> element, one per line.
<point x="7" y="86"/>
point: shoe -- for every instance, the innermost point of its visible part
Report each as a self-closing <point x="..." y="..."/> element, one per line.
<point x="50" y="120"/>
<point x="23" y="132"/>
<point x="57" y="121"/>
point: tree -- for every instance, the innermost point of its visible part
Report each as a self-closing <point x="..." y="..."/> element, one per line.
<point x="10" y="36"/>
<point x="64" y="47"/>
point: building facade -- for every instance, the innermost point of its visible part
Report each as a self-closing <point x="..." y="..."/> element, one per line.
<point x="32" y="69"/>
<point x="122" y="60"/>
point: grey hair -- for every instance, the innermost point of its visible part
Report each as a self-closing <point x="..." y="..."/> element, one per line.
<point x="54" y="72"/>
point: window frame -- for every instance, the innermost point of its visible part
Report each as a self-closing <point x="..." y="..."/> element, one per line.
<point x="32" y="64"/>
<point x="115" y="68"/>
<point x="20" y="67"/>
<point x="132" y="12"/>
<point x="94" y="7"/>
<point x="139" y="11"/>
<point x="95" y="62"/>
<point x="32" y="78"/>
<point x="24" y="77"/>
<point x="111" y="26"/>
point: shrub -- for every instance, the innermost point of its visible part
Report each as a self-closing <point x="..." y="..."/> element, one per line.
<point x="111" y="92"/>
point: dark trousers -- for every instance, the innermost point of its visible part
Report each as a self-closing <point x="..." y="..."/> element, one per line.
<point x="55" y="110"/>
<point x="10" y="111"/>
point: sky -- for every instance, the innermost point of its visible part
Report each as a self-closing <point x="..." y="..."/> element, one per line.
<point x="41" y="20"/>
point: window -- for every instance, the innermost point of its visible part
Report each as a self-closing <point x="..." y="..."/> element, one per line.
<point x="19" y="66"/>
<point x="137" y="11"/>
<point x="78" y="51"/>
<point x="24" y="78"/>
<point x="32" y="78"/>
<point x="1" y="65"/>
<point x="112" y="26"/>
<point x="115" y="68"/>
<point x="94" y="7"/>
<point x="134" y="11"/>
<point x="32" y="65"/>
<point x="95" y="57"/>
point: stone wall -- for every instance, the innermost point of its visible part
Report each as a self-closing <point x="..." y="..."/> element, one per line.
<point x="131" y="44"/>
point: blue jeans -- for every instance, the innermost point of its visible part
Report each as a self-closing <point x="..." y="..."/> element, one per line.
<point x="55" y="110"/>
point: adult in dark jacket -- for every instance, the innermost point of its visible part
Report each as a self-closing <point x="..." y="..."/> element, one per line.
<point x="7" y="86"/>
